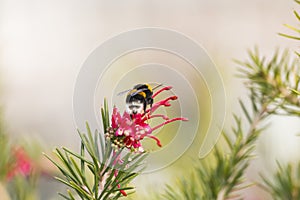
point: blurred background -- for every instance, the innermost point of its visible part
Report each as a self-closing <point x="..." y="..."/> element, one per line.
<point x="43" y="45"/>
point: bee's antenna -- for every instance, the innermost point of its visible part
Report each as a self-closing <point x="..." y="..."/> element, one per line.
<point x="157" y="86"/>
<point x="123" y="92"/>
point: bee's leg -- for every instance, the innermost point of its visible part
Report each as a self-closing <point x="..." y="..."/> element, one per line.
<point x="145" y="108"/>
<point x="151" y="103"/>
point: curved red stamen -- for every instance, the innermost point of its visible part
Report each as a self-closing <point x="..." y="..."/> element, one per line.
<point x="169" y="121"/>
<point x="167" y="99"/>
<point x="154" y="116"/>
<point x="159" y="91"/>
<point x="164" y="102"/>
<point x="156" y="139"/>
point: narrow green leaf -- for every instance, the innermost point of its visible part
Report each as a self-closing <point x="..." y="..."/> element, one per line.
<point x="85" y="160"/>
<point x="64" y="196"/>
<point x="71" y="195"/>
<point x="61" y="169"/>
<point x="289" y="36"/>
<point x="106" y="112"/>
<point x="83" y="178"/>
<point x="68" y="166"/>
<point x="81" y="157"/>
<point x="245" y="111"/>
<point x="103" y="120"/>
<point x="96" y="145"/>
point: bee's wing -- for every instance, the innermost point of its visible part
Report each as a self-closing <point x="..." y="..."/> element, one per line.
<point x="138" y="91"/>
<point x="123" y="92"/>
<point x="143" y="89"/>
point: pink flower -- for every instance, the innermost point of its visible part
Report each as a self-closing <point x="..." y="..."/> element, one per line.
<point x="129" y="130"/>
<point x="22" y="163"/>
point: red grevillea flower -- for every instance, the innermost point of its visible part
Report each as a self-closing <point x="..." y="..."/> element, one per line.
<point x="22" y="163"/>
<point x="129" y="130"/>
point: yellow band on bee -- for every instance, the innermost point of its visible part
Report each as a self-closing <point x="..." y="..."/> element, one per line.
<point x="132" y="91"/>
<point x="149" y="87"/>
<point x="143" y="94"/>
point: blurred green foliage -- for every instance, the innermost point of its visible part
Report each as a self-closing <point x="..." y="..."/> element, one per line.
<point x="19" y="170"/>
<point x="274" y="88"/>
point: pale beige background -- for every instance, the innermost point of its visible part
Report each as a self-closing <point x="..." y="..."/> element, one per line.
<point x="44" y="43"/>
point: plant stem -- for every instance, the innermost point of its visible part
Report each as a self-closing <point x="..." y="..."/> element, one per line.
<point x="225" y="192"/>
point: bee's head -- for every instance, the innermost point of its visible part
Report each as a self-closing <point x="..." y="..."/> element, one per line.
<point x="134" y="107"/>
<point x="135" y="104"/>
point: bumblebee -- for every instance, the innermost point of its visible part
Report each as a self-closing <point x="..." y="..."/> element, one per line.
<point x="138" y="98"/>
